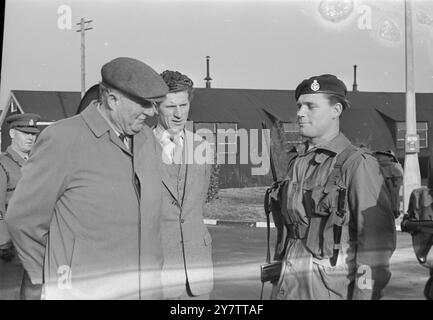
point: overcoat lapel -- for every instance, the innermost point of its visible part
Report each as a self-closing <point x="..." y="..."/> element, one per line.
<point x="140" y="145"/>
<point x="191" y="166"/>
<point x="99" y="126"/>
<point x="116" y="140"/>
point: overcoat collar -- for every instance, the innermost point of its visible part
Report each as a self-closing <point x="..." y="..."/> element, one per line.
<point x="99" y="126"/>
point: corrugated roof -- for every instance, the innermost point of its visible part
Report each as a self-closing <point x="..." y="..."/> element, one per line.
<point x="51" y="105"/>
<point x="228" y="105"/>
<point x="363" y="123"/>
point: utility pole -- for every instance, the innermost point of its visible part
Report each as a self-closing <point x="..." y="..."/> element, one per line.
<point x="83" y="29"/>
<point x="412" y="176"/>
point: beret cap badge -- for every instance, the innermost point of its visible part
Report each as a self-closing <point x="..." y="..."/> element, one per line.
<point x="315" y="86"/>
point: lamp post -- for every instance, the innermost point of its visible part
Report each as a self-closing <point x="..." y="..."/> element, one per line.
<point x="412" y="176"/>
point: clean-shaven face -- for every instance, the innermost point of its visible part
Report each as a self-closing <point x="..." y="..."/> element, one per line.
<point x="316" y="116"/>
<point x="22" y="141"/>
<point x="173" y="111"/>
<point x="129" y="115"/>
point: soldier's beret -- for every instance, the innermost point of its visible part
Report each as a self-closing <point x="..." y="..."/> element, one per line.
<point x="176" y="81"/>
<point x="325" y="83"/>
<point x="25" y="122"/>
<point x="134" y="78"/>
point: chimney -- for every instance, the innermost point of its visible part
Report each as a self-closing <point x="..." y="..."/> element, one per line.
<point x="355" y="85"/>
<point x="208" y="78"/>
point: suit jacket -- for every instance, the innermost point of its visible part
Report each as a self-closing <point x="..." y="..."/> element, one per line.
<point x="186" y="240"/>
<point x="85" y="215"/>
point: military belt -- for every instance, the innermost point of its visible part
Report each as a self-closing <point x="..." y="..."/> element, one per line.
<point x="297" y="231"/>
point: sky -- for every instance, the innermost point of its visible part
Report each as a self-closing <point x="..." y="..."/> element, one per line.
<point x="251" y="44"/>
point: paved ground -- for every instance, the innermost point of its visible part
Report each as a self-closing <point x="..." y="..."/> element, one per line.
<point x="238" y="252"/>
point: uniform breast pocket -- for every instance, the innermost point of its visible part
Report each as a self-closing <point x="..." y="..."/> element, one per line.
<point x="318" y="201"/>
<point x="291" y="198"/>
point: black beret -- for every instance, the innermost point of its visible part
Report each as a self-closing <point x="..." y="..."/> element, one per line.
<point x="325" y="83"/>
<point x="134" y="78"/>
<point x="25" y="122"/>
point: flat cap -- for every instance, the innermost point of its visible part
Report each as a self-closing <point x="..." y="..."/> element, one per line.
<point x="25" y="122"/>
<point x="325" y="83"/>
<point x="134" y="78"/>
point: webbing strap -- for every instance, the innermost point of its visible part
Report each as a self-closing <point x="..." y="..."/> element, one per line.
<point x="268" y="234"/>
<point x="268" y="225"/>
<point x="342" y="158"/>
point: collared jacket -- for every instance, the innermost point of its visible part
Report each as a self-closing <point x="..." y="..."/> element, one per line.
<point x="186" y="240"/>
<point x="368" y="235"/>
<point x="85" y="215"/>
<point x="10" y="173"/>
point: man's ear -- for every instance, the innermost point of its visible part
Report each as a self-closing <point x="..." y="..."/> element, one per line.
<point x="337" y="109"/>
<point x="12" y="133"/>
<point x="113" y="99"/>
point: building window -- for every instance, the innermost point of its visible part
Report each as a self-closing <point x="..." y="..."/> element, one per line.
<point x="291" y="133"/>
<point x="13" y="107"/>
<point x="421" y="129"/>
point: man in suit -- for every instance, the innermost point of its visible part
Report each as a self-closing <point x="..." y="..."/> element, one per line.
<point x="85" y="215"/>
<point x="14" y="282"/>
<point x="188" y="269"/>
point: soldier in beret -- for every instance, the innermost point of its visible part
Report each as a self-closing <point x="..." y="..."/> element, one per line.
<point x="14" y="282"/>
<point x="188" y="269"/>
<point x="337" y="213"/>
<point x="85" y="215"/>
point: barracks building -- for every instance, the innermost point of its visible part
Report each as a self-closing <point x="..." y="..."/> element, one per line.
<point x="375" y="120"/>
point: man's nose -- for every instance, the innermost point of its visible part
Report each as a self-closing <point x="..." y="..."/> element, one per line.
<point x="301" y="111"/>
<point x="177" y="112"/>
<point x="151" y="111"/>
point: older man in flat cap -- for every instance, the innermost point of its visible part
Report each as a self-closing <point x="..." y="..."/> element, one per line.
<point x="188" y="269"/>
<point x="14" y="282"/>
<point x="85" y="215"/>
<point x="336" y="210"/>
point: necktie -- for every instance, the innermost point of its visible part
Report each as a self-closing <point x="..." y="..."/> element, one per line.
<point x="177" y="150"/>
<point x="123" y="138"/>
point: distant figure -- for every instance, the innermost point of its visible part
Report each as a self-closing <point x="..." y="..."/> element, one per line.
<point x="85" y="217"/>
<point x="188" y="269"/>
<point x="14" y="282"/>
<point x="335" y="207"/>
<point x="91" y="94"/>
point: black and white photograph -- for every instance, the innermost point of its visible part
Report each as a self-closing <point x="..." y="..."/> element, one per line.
<point x="227" y="152"/>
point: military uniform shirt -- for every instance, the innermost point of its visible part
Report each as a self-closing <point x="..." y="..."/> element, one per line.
<point x="369" y="236"/>
<point x="10" y="174"/>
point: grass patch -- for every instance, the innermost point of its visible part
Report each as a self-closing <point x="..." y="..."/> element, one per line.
<point x="238" y="204"/>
